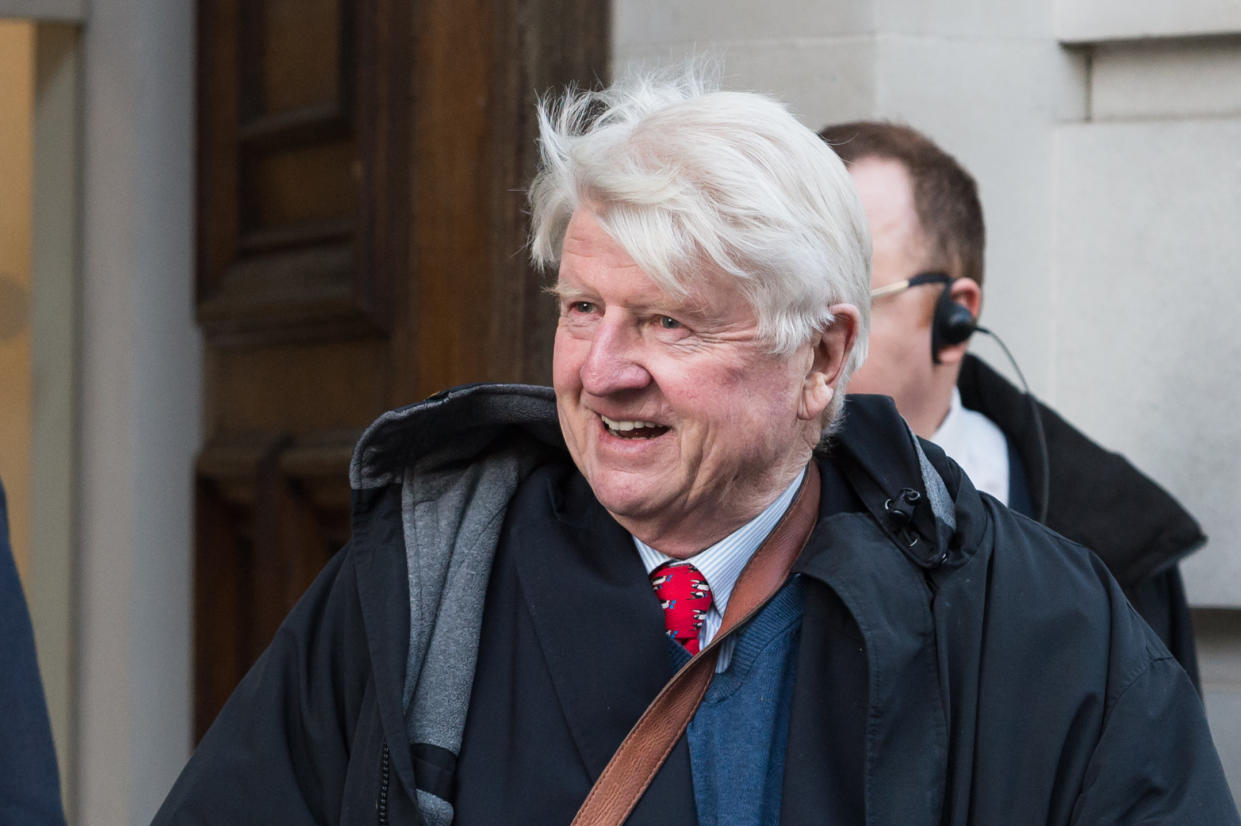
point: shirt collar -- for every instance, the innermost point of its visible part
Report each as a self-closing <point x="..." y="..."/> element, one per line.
<point x="722" y="563"/>
<point x="976" y="444"/>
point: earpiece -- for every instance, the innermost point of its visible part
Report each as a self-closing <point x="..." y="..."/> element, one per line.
<point x="952" y="324"/>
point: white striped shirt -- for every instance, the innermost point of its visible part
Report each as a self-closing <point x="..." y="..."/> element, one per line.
<point x="722" y="563"/>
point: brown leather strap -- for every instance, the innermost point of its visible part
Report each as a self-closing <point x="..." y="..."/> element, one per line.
<point x="646" y="747"/>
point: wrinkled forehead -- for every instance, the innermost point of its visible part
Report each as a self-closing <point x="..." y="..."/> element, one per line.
<point x="592" y="255"/>
<point x="709" y="300"/>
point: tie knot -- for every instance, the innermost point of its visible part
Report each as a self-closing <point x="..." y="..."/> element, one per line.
<point x="685" y="597"/>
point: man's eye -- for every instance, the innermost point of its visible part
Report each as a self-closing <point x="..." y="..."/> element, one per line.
<point x="669" y="323"/>
<point x="582" y="307"/>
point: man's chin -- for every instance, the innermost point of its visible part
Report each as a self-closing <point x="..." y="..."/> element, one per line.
<point x="627" y="500"/>
<point x="624" y="505"/>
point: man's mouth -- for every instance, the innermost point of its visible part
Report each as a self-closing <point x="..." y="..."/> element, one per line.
<point x="633" y="428"/>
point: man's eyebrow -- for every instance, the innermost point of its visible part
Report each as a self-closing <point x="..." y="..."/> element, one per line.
<point x="686" y="310"/>
<point x="562" y="290"/>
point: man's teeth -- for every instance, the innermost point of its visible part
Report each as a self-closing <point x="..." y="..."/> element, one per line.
<point x="613" y="424"/>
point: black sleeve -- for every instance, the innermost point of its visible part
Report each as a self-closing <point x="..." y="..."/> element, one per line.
<point x="1160" y="600"/>
<point x="29" y="779"/>
<point x="279" y="750"/>
<point x="1179" y="781"/>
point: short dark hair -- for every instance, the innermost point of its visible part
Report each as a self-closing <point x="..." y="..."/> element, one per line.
<point x="945" y="195"/>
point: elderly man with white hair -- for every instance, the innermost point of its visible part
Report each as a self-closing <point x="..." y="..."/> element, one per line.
<point x="689" y="583"/>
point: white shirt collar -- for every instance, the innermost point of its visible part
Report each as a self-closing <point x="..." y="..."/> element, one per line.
<point x="976" y="444"/>
<point x="722" y="563"/>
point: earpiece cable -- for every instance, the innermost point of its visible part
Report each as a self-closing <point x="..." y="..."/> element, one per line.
<point x="1040" y="437"/>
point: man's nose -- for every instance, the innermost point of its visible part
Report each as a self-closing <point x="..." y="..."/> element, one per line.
<point x="614" y="363"/>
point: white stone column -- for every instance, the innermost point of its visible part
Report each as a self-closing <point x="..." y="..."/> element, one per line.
<point x="139" y="417"/>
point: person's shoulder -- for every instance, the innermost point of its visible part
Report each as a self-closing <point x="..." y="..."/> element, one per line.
<point x="1058" y="594"/>
<point x="29" y="782"/>
<point x="453" y="426"/>
<point x="1053" y="566"/>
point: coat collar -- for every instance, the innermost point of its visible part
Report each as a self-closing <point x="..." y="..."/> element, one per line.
<point x="379" y="560"/>
<point x="603" y="643"/>
<point x="454" y="425"/>
<point x="905" y="739"/>
<point x="614" y="624"/>
<point x="893" y="682"/>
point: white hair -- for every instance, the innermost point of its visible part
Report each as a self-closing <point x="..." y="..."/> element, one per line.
<point x="692" y="182"/>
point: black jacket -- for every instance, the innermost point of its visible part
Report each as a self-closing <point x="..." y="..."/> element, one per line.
<point x="969" y="669"/>
<point x="1097" y="498"/>
<point x="29" y="778"/>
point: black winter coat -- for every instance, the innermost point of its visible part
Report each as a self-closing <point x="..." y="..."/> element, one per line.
<point x="993" y="673"/>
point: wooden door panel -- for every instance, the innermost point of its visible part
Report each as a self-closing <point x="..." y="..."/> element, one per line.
<point x="270" y="512"/>
<point x="361" y="244"/>
<point x="298" y="52"/>
<point x="298" y="387"/>
<point x="282" y="172"/>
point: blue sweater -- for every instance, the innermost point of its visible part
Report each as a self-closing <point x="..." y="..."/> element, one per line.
<point x="738" y="736"/>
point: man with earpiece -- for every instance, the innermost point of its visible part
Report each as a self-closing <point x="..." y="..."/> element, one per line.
<point x="927" y="275"/>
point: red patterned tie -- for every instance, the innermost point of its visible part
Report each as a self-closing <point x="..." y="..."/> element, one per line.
<point x="685" y="597"/>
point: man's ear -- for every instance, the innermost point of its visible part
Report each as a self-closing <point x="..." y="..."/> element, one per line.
<point x="831" y="350"/>
<point x="967" y="293"/>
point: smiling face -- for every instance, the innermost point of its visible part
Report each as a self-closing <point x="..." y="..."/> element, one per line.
<point x="683" y="423"/>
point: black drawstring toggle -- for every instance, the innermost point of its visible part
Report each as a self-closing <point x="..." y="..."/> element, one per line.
<point x="901" y="514"/>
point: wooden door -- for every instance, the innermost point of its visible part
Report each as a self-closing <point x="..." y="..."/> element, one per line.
<point x="360" y="245"/>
